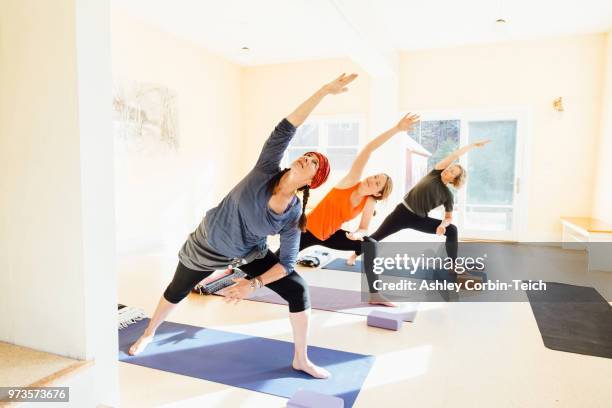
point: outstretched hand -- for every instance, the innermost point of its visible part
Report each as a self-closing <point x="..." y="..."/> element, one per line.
<point x="407" y="122"/>
<point x="481" y="143"/>
<point x="238" y="291"/>
<point x="339" y="84"/>
<point x="355" y="236"/>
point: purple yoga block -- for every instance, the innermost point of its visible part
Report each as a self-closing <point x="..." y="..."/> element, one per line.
<point x="312" y="399"/>
<point x="385" y="320"/>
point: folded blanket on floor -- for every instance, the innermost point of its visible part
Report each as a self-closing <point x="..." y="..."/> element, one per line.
<point x="129" y="315"/>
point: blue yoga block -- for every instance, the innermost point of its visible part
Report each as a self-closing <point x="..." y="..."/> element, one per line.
<point x="385" y="320"/>
<point x="312" y="399"/>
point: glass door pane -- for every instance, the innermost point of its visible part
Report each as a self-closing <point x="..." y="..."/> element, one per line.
<point x="343" y="134"/>
<point x="343" y="142"/>
<point x="306" y="135"/>
<point x="489" y="200"/>
<point x="341" y="158"/>
<point x="431" y="141"/>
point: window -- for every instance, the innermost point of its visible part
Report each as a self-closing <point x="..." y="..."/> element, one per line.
<point x="438" y="137"/>
<point x="489" y="206"/>
<point x="431" y="141"/>
<point x="490" y="192"/>
<point x="337" y="138"/>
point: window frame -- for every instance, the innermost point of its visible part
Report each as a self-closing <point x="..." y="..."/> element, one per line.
<point x="522" y="161"/>
<point x="323" y="147"/>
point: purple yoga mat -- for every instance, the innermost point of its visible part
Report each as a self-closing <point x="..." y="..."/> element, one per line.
<point x="338" y="300"/>
<point x="253" y="363"/>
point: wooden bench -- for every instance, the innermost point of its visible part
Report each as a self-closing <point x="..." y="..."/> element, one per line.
<point x="579" y="232"/>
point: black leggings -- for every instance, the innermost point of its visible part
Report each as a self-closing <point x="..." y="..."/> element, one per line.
<point x="339" y="241"/>
<point x="292" y="287"/>
<point x="402" y="218"/>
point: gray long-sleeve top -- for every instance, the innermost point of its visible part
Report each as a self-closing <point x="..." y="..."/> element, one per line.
<point x="242" y="221"/>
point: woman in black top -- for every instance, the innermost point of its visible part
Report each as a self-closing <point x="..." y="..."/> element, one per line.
<point x="430" y="192"/>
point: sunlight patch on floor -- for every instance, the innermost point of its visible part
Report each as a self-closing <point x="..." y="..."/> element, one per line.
<point x="399" y="366"/>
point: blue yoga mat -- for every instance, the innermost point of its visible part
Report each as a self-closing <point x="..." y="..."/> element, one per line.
<point x="339" y="264"/>
<point x="253" y="363"/>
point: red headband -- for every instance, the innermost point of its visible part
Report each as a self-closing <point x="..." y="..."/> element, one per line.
<point x="322" y="172"/>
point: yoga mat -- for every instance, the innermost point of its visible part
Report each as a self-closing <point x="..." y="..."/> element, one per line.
<point x="338" y="300"/>
<point x="573" y="318"/>
<point x="339" y="264"/>
<point x="252" y="363"/>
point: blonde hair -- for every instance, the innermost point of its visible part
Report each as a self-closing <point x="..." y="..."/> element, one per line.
<point x="386" y="189"/>
<point x="460" y="180"/>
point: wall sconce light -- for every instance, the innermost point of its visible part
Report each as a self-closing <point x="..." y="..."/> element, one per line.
<point x="558" y="104"/>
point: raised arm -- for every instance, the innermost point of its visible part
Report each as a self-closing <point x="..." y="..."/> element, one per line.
<point x="338" y="85"/>
<point x="448" y="160"/>
<point x="354" y="174"/>
<point x="274" y="148"/>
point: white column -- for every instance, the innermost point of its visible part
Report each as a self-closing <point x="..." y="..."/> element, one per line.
<point x="57" y="259"/>
<point x="97" y="194"/>
<point x="365" y="45"/>
<point x="384" y="113"/>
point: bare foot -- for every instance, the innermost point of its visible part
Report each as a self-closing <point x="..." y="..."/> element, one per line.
<point x="309" y="368"/>
<point x="140" y="345"/>
<point x="351" y="259"/>
<point x="378" y="299"/>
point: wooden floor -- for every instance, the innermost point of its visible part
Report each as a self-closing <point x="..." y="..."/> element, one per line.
<point x="454" y="355"/>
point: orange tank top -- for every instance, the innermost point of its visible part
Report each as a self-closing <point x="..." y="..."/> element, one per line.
<point x="334" y="210"/>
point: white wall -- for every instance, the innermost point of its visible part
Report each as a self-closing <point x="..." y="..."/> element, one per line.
<point x="528" y="74"/>
<point x="42" y="271"/>
<point x="161" y="197"/>
<point x="57" y="286"/>
<point x="602" y="188"/>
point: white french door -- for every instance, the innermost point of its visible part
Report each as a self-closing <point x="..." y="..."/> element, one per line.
<point x="492" y="204"/>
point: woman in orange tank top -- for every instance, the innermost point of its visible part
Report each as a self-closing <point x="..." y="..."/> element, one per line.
<point x="349" y="198"/>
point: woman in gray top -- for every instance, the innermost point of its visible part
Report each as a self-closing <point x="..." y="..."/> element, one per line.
<point x="430" y="192"/>
<point x="234" y="233"/>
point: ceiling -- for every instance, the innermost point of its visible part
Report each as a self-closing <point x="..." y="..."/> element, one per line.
<point x="292" y="30"/>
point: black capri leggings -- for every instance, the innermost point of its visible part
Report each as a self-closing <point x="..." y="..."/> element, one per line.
<point x="402" y="218"/>
<point x="292" y="287"/>
<point x="339" y="241"/>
